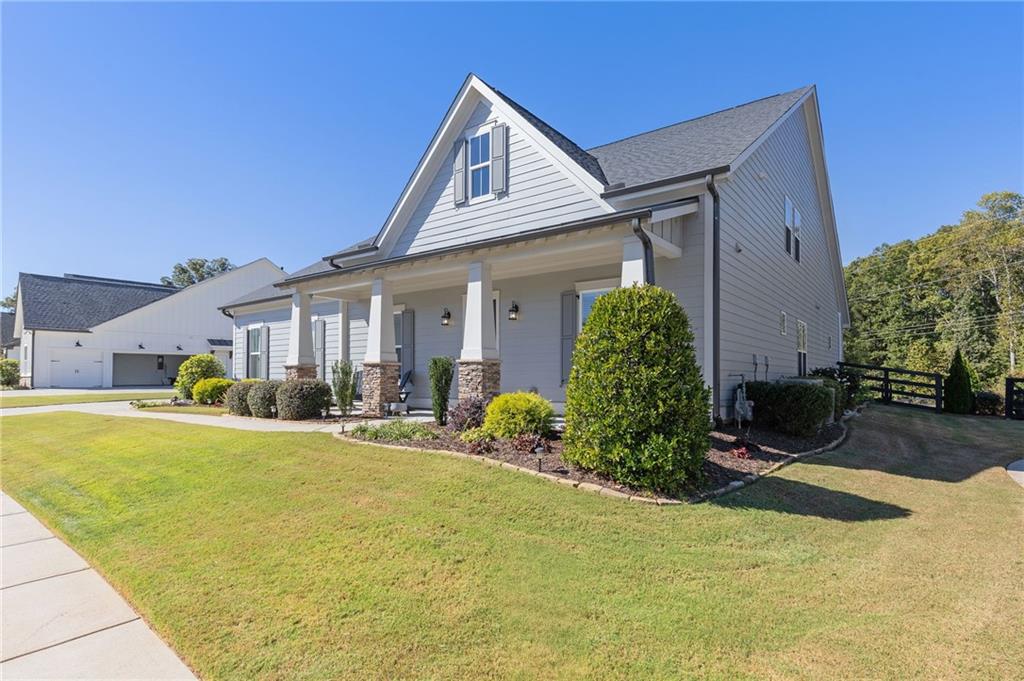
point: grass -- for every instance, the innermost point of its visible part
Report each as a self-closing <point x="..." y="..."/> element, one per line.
<point x="209" y="410"/>
<point x="30" y="400"/>
<point x="291" y="555"/>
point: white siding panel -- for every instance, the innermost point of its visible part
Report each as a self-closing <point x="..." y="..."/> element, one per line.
<point x="759" y="279"/>
<point x="539" y="194"/>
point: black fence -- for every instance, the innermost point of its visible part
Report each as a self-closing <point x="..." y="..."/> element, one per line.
<point x="902" y="386"/>
<point x="1014" y="398"/>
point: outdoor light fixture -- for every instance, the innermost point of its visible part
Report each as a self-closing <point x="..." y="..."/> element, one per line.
<point x="446" y="317"/>
<point x="77" y="344"/>
<point x="513" y="312"/>
<point x="178" y="347"/>
<point x="141" y="346"/>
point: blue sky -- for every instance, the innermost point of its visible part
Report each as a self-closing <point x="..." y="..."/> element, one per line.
<point x="137" y="135"/>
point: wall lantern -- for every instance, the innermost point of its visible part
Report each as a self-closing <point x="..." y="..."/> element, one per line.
<point x="78" y="344"/>
<point x="446" y="317"/>
<point x="178" y="347"/>
<point x="513" y="312"/>
<point x="141" y="346"/>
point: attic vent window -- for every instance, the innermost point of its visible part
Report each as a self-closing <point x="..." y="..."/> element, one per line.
<point x="480" y="165"/>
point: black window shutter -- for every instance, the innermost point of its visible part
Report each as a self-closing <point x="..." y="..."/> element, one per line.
<point x="568" y="332"/>
<point x="789" y="240"/>
<point x="796" y="250"/>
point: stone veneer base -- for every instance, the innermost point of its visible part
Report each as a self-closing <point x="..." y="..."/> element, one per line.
<point x="380" y="386"/>
<point x="479" y="378"/>
<point x="297" y="371"/>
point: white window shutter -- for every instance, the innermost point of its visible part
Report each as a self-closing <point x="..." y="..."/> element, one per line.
<point x="499" y="158"/>
<point x="459" y="171"/>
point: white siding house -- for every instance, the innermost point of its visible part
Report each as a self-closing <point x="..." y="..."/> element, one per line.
<point x="507" y="231"/>
<point x="90" y="332"/>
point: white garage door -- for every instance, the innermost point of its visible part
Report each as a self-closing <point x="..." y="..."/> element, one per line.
<point x="76" y="368"/>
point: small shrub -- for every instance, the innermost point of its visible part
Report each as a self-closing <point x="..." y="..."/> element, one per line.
<point x="235" y="399"/>
<point x="466" y="414"/>
<point x="10" y="372"/>
<point x="195" y="369"/>
<point x="513" y="414"/>
<point x="211" y="390"/>
<point x="529" y="443"/>
<point x="343" y="385"/>
<point x="852" y="381"/>
<point x="145" y="404"/>
<point x="791" y="408"/>
<point x="840" y="393"/>
<point x="262" y="399"/>
<point x="989" y="403"/>
<point x="440" y="371"/>
<point x="394" y="431"/>
<point x="958" y="396"/>
<point x="479" y="440"/>
<point x="302" y="399"/>
<point x="637" y="409"/>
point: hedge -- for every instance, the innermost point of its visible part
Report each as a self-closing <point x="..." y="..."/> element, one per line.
<point x="262" y="399"/>
<point x="301" y="399"/>
<point x="637" y="409"/>
<point x="989" y="403"/>
<point x="10" y="372"/>
<point x="792" y="408"/>
<point x="235" y="399"/>
<point x="211" y="390"/>
<point x="195" y="369"/>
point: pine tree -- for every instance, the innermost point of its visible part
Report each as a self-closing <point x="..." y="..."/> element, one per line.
<point x="959" y="397"/>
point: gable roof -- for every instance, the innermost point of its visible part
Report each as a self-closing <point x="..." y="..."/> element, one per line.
<point x="266" y="293"/>
<point x="6" y="328"/>
<point x="693" y="147"/>
<point x="77" y="302"/>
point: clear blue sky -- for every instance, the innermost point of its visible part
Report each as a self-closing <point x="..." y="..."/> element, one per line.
<point x="136" y="135"/>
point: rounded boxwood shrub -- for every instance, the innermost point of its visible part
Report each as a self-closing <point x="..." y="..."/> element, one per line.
<point x="637" y="409"/>
<point x="518" y="413"/>
<point x="236" y="397"/>
<point x="10" y="372"/>
<point x="791" y="408"/>
<point x="211" y="390"/>
<point x="302" y="399"/>
<point x="262" y="399"/>
<point x="958" y="394"/>
<point x="195" y="369"/>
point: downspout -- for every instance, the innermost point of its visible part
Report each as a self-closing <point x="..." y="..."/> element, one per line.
<point x="716" y="297"/>
<point x="645" y="241"/>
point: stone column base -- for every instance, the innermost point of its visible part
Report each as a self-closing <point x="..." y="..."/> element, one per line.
<point x="380" y="386"/>
<point x="295" y="371"/>
<point x="479" y="378"/>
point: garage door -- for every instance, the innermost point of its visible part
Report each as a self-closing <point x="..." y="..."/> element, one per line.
<point x="144" y="369"/>
<point x="77" y="368"/>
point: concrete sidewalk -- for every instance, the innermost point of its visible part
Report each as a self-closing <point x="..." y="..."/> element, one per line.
<point x="61" y="620"/>
<point x="1016" y="471"/>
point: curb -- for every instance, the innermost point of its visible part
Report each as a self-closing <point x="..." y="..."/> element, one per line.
<point x="568" y="482"/>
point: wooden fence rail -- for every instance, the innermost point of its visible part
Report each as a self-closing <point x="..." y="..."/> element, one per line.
<point x="889" y="383"/>
<point x="1014" y="398"/>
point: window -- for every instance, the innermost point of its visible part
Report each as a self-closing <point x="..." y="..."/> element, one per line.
<point x="587" y="299"/>
<point x="792" y="229"/>
<point x="255" y="366"/>
<point x="159" y="362"/>
<point x="782" y="323"/>
<point x="480" y="165"/>
<point x="801" y="348"/>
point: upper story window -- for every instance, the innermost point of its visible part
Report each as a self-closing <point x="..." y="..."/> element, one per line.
<point x="480" y="165"/>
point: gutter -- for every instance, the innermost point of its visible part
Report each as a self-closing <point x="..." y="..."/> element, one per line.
<point x="348" y="254"/>
<point x="716" y="296"/>
<point x="645" y="240"/>
<point x="623" y="191"/>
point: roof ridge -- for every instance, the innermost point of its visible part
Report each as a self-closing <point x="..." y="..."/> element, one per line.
<point x="113" y="280"/>
<point x="697" y="118"/>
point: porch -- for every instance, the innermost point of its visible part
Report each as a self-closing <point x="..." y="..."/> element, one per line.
<point x="508" y="313"/>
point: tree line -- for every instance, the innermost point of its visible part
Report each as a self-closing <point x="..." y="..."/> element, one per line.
<point x="914" y="303"/>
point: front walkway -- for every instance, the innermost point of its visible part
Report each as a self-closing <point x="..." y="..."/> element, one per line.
<point x="61" y="620"/>
<point x="1016" y="471"/>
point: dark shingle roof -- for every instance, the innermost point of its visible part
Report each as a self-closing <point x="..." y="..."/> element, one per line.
<point x="263" y="293"/>
<point x="693" y="146"/>
<point x="6" y="328"/>
<point x="78" y="303"/>
<point x="574" y="151"/>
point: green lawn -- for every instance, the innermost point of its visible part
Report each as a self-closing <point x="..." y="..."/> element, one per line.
<point x="191" y="409"/>
<point x="281" y="555"/>
<point x="27" y="399"/>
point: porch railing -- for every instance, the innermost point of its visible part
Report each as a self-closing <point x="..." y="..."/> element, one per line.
<point x="902" y="386"/>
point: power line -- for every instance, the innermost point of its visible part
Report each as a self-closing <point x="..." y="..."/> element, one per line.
<point x="884" y="259"/>
<point x="964" y="324"/>
<point x="933" y="281"/>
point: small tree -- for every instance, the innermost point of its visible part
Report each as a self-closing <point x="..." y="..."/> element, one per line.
<point x="958" y="395"/>
<point x="343" y="385"/>
<point x="195" y="369"/>
<point x="637" y="408"/>
<point x="440" y="372"/>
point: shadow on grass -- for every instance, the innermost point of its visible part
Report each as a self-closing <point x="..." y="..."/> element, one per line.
<point x="800" y="498"/>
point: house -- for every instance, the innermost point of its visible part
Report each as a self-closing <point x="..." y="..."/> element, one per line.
<point x="79" y="331"/>
<point x="507" y="231"/>
<point x="8" y="343"/>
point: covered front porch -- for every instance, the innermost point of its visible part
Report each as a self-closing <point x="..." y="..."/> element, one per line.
<point x="508" y="312"/>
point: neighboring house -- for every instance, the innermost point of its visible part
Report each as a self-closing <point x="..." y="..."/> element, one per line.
<point x="78" y="331"/>
<point x="8" y="343"/>
<point x="508" y="231"/>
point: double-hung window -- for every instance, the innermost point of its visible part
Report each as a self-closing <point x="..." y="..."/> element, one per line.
<point x="587" y="300"/>
<point x="792" y="229"/>
<point x="480" y="165"/>
<point x="255" y="341"/>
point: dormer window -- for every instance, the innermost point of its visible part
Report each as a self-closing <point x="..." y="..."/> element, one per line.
<point x="480" y="165"/>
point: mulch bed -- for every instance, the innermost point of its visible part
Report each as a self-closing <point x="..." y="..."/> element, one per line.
<point x="727" y="460"/>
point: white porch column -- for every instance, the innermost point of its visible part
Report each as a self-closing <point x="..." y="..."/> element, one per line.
<point x="343" y="330"/>
<point x="380" y="341"/>
<point x="300" y="362"/>
<point x="632" y="262"/>
<point x="380" y="365"/>
<point x="478" y="339"/>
